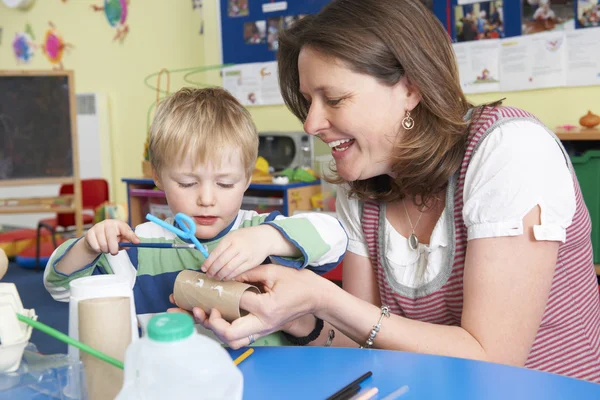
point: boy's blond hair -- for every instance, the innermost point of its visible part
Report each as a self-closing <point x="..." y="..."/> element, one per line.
<point x="207" y="124"/>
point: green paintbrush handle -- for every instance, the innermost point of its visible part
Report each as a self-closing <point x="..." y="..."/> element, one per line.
<point x="69" y="340"/>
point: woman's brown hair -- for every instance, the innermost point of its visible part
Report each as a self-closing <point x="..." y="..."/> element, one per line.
<point x="390" y="39"/>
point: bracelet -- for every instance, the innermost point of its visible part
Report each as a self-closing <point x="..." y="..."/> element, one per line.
<point x="385" y="312"/>
<point x="303" y="341"/>
<point x="330" y="337"/>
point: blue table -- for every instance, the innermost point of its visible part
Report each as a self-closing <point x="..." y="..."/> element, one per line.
<point x="315" y="373"/>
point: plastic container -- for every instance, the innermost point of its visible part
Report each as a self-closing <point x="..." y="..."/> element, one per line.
<point x="44" y="377"/>
<point x="174" y="362"/>
<point x="587" y="169"/>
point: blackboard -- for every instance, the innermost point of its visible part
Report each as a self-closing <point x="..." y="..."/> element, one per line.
<point x="36" y="126"/>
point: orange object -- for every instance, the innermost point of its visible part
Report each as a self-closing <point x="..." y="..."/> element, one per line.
<point x="244" y="355"/>
<point x="589" y="120"/>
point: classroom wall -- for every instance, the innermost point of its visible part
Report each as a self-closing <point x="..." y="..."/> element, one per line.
<point x="558" y="106"/>
<point x="164" y="34"/>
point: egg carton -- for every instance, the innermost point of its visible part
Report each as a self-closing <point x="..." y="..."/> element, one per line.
<point x="14" y="335"/>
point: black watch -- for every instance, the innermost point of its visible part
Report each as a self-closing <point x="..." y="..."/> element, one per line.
<point x="303" y="341"/>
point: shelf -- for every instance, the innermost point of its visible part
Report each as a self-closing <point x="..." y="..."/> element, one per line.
<point x="55" y="204"/>
<point x="37" y="209"/>
<point x="146" y="193"/>
<point x="578" y="134"/>
<point x="263" y="201"/>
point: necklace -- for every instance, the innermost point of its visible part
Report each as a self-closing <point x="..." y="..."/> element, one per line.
<point x="413" y="240"/>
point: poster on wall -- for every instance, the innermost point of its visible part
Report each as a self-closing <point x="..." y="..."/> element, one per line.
<point x="253" y="84"/>
<point x="547" y="15"/>
<point x="588" y="14"/>
<point x="480" y="20"/>
<point x="478" y="65"/>
<point x="533" y="62"/>
<point x="583" y="57"/>
<point x="250" y="28"/>
<point x="237" y="8"/>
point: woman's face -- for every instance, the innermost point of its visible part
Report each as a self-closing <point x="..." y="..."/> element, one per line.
<point x="355" y="114"/>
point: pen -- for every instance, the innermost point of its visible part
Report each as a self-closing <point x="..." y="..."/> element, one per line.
<point x="349" y="393"/>
<point x="160" y="245"/>
<point x="349" y="386"/>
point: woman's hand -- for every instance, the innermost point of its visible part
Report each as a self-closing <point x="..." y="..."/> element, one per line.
<point x="287" y="295"/>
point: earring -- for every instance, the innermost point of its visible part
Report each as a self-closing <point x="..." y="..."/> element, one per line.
<point x="407" y="122"/>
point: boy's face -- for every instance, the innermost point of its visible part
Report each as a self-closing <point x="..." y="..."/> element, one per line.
<point x="210" y="194"/>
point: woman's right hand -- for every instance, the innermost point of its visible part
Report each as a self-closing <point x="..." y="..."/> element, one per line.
<point x="287" y="295"/>
<point x="104" y="237"/>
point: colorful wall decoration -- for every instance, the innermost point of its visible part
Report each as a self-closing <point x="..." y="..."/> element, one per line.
<point x="54" y="46"/>
<point x="116" y="12"/>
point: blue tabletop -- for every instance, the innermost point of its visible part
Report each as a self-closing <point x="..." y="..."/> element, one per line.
<point x="316" y="373"/>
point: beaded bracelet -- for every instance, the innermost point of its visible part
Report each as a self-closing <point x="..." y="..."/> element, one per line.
<point x="303" y="341"/>
<point x="385" y="312"/>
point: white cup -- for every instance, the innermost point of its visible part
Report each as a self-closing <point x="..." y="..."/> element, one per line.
<point x="97" y="286"/>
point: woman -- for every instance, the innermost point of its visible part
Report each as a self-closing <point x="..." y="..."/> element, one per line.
<point x="468" y="235"/>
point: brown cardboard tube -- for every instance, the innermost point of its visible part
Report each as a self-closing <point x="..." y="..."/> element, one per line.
<point x="104" y="324"/>
<point x="195" y="289"/>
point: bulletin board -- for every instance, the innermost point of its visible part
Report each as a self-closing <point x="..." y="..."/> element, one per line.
<point x="517" y="16"/>
<point x="245" y="25"/>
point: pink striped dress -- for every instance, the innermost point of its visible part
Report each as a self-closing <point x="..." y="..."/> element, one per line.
<point x="568" y="340"/>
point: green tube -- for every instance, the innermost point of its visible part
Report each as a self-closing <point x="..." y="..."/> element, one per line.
<point x="69" y="340"/>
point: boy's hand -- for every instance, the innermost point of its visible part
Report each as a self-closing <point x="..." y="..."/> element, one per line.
<point x="104" y="237"/>
<point x="240" y="251"/>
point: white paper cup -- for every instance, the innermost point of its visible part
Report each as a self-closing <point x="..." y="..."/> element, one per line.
<point x="93" y="287"/>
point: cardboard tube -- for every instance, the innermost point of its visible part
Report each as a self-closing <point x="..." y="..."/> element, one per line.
<point x="195" y="289"/>
<point x="104" y="324"/>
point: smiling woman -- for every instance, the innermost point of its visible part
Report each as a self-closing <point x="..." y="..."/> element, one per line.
<point x="468" y="235"/>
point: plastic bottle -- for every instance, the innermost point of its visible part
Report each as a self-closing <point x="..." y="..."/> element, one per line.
<point x="173" y="361"/>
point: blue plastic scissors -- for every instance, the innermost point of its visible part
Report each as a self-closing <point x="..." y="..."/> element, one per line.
<point x="188" y="231"/>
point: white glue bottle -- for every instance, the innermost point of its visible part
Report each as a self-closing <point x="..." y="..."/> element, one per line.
<point x="173" y="361"/>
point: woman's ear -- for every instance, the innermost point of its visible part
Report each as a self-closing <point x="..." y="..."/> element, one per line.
<point x="156" y="178"/>
<point x="410" y="93"/>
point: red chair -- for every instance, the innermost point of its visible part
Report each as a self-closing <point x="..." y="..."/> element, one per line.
<point x="94" y="193"/>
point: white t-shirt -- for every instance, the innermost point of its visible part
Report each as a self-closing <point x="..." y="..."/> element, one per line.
<point x="544" y="14"/>
<point x="517" y="166"/>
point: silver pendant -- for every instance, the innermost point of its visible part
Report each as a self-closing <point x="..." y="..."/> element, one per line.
<point x="413" y="241"/>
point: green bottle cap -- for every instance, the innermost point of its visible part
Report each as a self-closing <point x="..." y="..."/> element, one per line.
<point x="170" y="327"/>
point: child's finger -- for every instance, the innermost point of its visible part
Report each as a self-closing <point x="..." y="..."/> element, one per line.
<point x="91" y="241"/>
<point x="128" y="233"/>
<point x="241" y="267"/>
<point x="220" y="262"/>
<point x="112" y="239"/>
<point x="230" y="266"/>
<point x="214" y="255"/>
<point x="101" y="237"/>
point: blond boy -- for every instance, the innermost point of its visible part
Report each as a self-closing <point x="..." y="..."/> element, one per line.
<point x="203" y="147"/>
